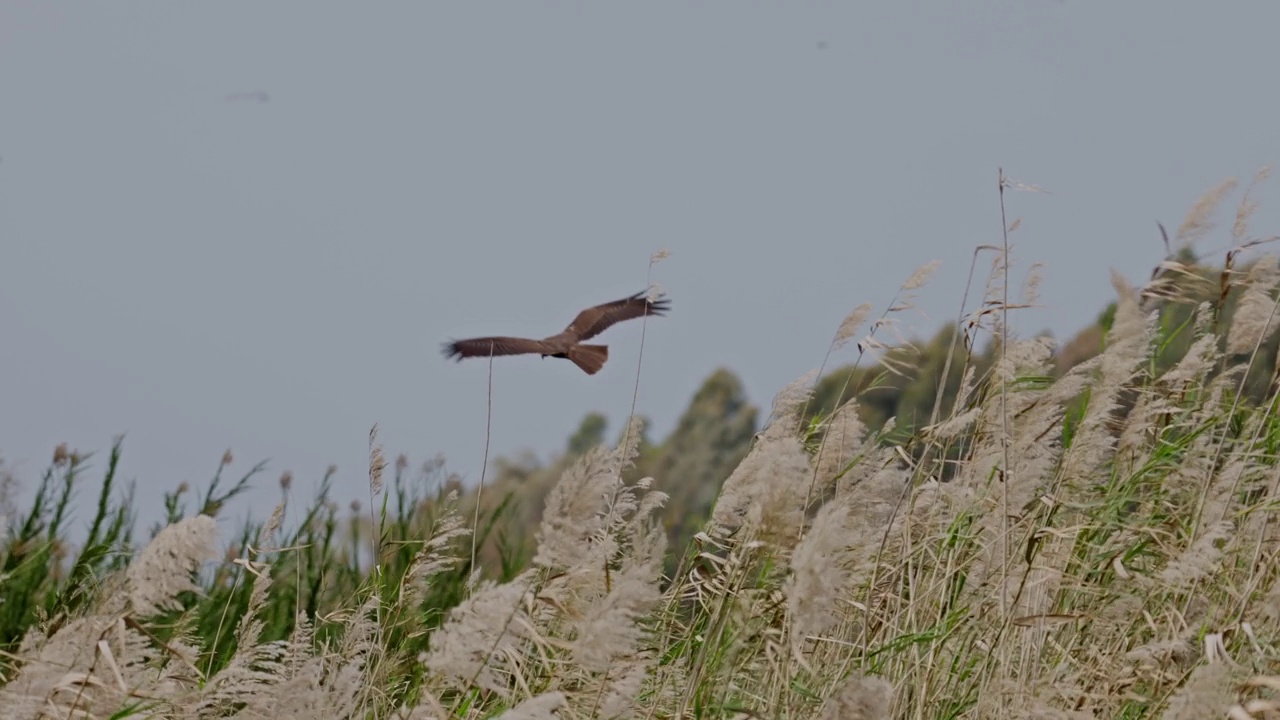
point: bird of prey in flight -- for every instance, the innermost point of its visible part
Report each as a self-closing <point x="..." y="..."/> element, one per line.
<point x="566" y="344"/>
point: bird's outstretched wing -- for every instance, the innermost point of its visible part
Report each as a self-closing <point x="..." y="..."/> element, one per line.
<point x="486" y="346"/>
<point x="595" y="320"/>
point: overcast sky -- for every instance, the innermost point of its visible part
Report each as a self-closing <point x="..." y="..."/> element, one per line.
<point x="251" y="225"/>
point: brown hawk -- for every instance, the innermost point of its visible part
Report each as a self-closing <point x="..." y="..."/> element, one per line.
<point x="566" y="344"/>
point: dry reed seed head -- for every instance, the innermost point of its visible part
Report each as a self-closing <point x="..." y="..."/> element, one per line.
<point x="250" y="682"/>
<point x="1199" y="219"/>
<point x="1010" y="464"/>
<point x="436" y="554"/>
<point x="359" y="643"/>
<point x="964" y="394"/>
<point x="480" y="632"/>
<point x="1255" y="316"/>
<point x="58" y="551"/>
<point x="898" y="341"/>
<point x="651" y="502"/>
<point x="183" y="488"/>
<point x="1169" y="281"/>
<point x="585" y="513"/>
<point x="1208" y="693"/>
<point x="655" y="293"/>
<point x="402" y="462"/>
<point x="1195" y="364"/>
<point x="1128" y="346"/>
<point x="164" y="567"/>
<point x="1269" y="609"/>
<point x="1140" y="428"/>
<point x="1248" y="206"/>
<point x="1184" y="485"/>
<point x="784" y="417"/>
<point x="994" y="288"/>
<point x="541" y="707"/>
<point x="818" y="572"/>
<point x="355" y="506"/>
<point x="996" y="440"/>
<point x="767" y="492"/>
<point x="1030" y="294"/>
<point x="1262" y="272"/>
<point x="861" y="697"/>
<point x="628" y="449"/>
<point x="647" y="540"/>
<point x="431" y="465"/>
<point x="844" y="437"/>
<point x="1159" y="652"/>
<point x="377" y="463"/>
<point x="573" y="512"/>
<point x="659" y="256"/>
<point x="609" y="630"/>
<point x="849" y="326"/>
<point x="59" y="670"/>
<point x="1224" y="495"/>
<point x="922" y="275"/>
<point x="227" y="457"/>
<point x="619" y="701"/>
<point x="953" y="427"/>
<point x="1200" y="560"/>
<point x="873" y="492"/>
<point x="272" y="526"/>
<point x="286" y="480"/>
<point x="633" y="532"/>
<point x="250" y="657"/>
<point x="1024" y="357"/>
<point x="61" y="455"/>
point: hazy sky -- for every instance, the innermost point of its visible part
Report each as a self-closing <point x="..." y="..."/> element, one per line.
<point x="198" y="268"/>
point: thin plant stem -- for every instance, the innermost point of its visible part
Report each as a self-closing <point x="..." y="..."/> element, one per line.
<point x="484" y="465"/>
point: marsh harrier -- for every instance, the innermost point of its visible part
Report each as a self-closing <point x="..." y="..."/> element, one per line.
<point x="566" y="344"/>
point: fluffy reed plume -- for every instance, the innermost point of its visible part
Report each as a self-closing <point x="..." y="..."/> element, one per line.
<point x="436" y="555"/>
<point x="819" y="572"/>
<point x="1199" y="219"/>
<point x="166" y="566"/>
<point x="292" y="678"/>
<point x="768" y="489"/>
<point x="1255" y="318"/>
<point x="98" y="661"/>
<point x="484" y="637"/>
<point x="1208" y="692"/>
<point x="859" y="698"/>
<point x="581" y="607"/>
<point x="849" y="326"/>
<point x="542" y="707"/>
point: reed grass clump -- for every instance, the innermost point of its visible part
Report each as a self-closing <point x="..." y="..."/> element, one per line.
<point x="1098" y="540"/>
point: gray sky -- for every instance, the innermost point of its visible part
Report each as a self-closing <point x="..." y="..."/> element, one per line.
<point x="184" y="263"/>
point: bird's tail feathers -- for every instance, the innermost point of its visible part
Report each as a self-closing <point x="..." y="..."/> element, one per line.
<point x="589" y="357"/>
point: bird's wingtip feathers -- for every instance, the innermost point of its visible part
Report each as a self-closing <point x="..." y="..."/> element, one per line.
<point x="657" y="306"/>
